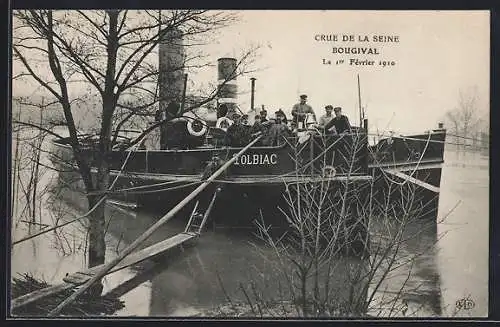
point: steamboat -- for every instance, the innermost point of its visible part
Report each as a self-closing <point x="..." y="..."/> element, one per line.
<point x="172" y="160"/>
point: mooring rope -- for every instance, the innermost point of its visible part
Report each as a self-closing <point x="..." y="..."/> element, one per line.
<point x="61" y="225"/>
<point x="400" y="136"/>
<point x="168" y="189"/>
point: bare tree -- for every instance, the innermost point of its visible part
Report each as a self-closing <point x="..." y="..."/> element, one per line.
<point x="108" y="54"/>
<point x="465" y="120"/>
<point x="28" y="169"/>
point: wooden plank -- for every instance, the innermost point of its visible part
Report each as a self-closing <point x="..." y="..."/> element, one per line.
<point x="82" y="277"/>
<point x="76" y="278"/>
<point x="423" y="166"/>
<point x="37" y="295"/>
<point x="414" y="180"/>
<point x="275" y="179"/>
<point x="120" y="203"/>
<point x="144" y="254"/>
<point x="153" y="251"/>
<point x="390" y="164"/>
<point x="169" y="215"/>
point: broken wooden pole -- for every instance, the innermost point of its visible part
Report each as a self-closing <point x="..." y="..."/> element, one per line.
<point x="102" y="272"/>
<point x="191" y="217"/>
<point x="207" y="213"/>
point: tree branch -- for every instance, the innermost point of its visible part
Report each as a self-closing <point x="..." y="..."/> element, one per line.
<point x="120" y="124"/>
<point x="34" y="75"/>
<point x="39" y="127"/>
<point x="99" y="28"/>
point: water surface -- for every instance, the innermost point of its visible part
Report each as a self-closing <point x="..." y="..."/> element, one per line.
<point x="202" y="277"/>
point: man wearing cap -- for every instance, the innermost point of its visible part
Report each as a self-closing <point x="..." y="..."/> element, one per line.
<point x="340" y="122"/>
<point x="263" y="116"/>
<point x="276" y="131"/>
<point x="325" y="119"/>
<point x="301" y="109"/>
<point x="280" y="114"/>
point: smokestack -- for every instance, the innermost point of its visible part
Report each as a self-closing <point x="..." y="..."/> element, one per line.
<point x="227" y="84"/>
<point x="171" y="57"/>
<point x="252" y="96"/>
<point x="171" y="66"/>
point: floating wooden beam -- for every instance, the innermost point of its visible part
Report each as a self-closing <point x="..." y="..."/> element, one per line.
<point x="147" y="253"/>
<point x="129" y="249"/>
<point x="421" y="164"/>
<point x="120" y="203"/>
<point x="40" y="294"/>
<point x="82" y="277"/>
<point x="413" y="180"/>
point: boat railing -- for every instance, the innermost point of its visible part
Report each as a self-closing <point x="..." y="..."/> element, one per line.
<point x="401" y="148"/>
<point x="344" y="154"/>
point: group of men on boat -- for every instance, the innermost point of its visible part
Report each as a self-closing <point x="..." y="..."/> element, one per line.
<point x="236" y="130"/>
<point x="239" y="130"/>
<point x="329" y="123"/>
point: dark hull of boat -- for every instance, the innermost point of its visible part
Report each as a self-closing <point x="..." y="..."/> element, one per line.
<point x="238" y="204"/>
<point x="257" y="183"/>
<point x="407" y="174"/>
<point x="158" y="180"/>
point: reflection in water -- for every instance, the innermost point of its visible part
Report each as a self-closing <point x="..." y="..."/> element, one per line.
<point x="192" y="282"/>
<point x="188" y="282"/>
<point x="412" y="288"/>
<point x="464" y="251"/>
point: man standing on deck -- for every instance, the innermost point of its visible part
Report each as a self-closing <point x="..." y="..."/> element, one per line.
<point x="340" y="122"/>
<point x="263" y="116"/>
<point x="301" y="109"/>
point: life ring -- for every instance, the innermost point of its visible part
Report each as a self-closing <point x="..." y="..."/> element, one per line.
<point x="224" y="123"/>
<point x="197" y="127"/>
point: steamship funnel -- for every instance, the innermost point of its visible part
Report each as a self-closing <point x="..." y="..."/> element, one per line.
<point x="171" y="68"/>
<point x="227" y="84"/>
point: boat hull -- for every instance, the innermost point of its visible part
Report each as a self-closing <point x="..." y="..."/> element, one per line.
<point x="158" y="180"/>
<point x="240" y="202"/>
<point x="407" y="174"/>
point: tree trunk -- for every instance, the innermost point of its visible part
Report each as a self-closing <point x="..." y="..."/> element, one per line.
<point x="97" y="223"/>
<point x="97" y="245"/>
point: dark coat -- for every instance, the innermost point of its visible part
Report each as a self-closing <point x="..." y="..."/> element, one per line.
<point x="341" y="124"/>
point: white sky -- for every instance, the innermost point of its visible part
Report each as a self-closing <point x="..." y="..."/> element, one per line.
<point x="439" y="53"/>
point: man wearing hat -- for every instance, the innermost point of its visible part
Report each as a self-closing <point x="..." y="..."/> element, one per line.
<point x="325" y="119"/>
<point x="280" y="114"/>
<point x="263" y="116"/>
<point x="340" y="122"/>
<point x="301" y="109"/>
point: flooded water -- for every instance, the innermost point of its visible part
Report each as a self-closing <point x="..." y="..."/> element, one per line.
<point x="463" y="252"/>
<point x="191" y="281"/>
